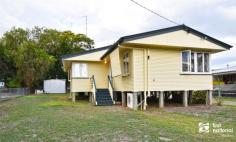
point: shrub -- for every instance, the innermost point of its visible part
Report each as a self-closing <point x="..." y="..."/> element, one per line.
<point x="13" y="83"/>
<point x="219" y="101"/>
<point x="198" y="97"/>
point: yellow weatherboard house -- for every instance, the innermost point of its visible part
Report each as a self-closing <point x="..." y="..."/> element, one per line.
<point x="159" y="64"/>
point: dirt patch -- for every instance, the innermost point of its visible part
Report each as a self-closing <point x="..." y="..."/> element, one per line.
<point x="229" y="103"/>
<point x="2" y="113"/>
<point x="113" y="108"/>
<point x="195" y="110"/>
<point x="6" y="105"/>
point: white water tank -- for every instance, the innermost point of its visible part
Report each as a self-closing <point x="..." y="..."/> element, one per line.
<point x="54" y="86"/>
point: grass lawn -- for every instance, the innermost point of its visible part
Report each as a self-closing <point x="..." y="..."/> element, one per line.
<point x="232" y="99"/>
<point x="55" y="118"/>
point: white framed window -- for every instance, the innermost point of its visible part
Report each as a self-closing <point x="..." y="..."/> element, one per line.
<point x="79" y="70"/>
<point x="195" y="62"/>
<point x="206" y="62"/>
<point x="199" y="62"/>
<point x="186" y="61"/>
<point x="126" y="63"/>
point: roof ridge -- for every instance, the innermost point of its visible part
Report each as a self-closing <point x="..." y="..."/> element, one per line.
<point x="166" y="30"/>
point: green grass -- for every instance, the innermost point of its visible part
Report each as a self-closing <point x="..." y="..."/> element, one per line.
<point x="55" y="118"/>
<point x="233" y="99"/>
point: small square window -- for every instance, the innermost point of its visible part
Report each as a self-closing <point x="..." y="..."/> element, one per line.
<point x="79" y="70"/>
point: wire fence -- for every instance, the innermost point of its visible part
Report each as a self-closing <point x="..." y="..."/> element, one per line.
<point x="6" y="93"/>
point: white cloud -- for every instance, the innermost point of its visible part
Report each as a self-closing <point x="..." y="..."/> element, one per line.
<point x="228" y="12"/>
<point x="120" y="17"/>
<point x="110" y="19"/>
<point x="225" y="58"/>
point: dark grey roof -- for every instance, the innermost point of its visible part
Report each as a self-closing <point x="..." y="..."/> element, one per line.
<point x="85" y="52"/>
<point x="166" y="30"/>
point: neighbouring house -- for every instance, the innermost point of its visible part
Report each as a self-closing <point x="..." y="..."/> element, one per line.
<point x="161" y="64"/>
<point x="225" y="81"/>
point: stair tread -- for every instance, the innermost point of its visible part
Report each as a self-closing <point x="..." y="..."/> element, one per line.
<point x="99" y="93"/>
<point x="104" y="100"/>
<point x="103" y="97"/>
<point x="104" y="104"/>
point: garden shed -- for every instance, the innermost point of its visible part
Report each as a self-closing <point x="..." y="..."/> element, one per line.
<point x="54" y="86"/>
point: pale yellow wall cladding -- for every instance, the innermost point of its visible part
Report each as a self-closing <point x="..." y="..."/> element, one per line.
<point x="164" y="72"/>
<point x="122" y="83"/>
<point x="138" y="67"/>
<point x="179" y="39"/>
<point x="80" y="85"/>
<point x="100" y="72"/>
<point x="94" y="56"/>
<point x="115" y="62"/>
<point x="165" y="69"/>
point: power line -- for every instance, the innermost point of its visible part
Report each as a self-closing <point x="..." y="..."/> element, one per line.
<point x="154" y="12"/>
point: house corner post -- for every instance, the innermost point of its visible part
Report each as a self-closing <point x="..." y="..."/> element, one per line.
<point x="123" y="99"/>
<point x="73" y="97"/>
<point x="209" y="97"/>
<point x="135" y="100"/>
<point x="185" y="98"/>
<point x="70" y="95"/>
<point x="90" y="97"/>
<point x="145" y="101"/>
<point x="161" y="99"/>
<point x="141" y="99"/>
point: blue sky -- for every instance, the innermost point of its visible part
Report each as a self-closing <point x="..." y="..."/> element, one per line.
<point x="110" y="19"/>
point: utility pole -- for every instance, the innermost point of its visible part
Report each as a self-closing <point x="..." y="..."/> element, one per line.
<point x="86" y="24"/>
<point x="219" y="86"/>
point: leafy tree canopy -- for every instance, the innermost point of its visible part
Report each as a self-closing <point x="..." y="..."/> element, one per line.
<point x="31" y="55"/>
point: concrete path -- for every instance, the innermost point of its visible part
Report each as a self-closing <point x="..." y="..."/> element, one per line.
<point x="229" y="103"/>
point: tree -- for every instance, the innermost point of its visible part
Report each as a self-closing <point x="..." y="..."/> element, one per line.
<point x="28" y="56"/>
<point x="58" y="43"/>
<point x="3" y="65"/>
<point x="3" y="68"/>
<point x="32" y="64"/>
<point x="8" y="50"/>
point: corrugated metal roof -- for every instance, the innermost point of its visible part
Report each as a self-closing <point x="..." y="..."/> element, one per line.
<point x="228" y="70"/>
<point x="163" y="31"/>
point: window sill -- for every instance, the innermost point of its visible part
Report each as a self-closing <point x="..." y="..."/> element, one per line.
<point x="124" y="75"/>
<point x="196" y="73"/>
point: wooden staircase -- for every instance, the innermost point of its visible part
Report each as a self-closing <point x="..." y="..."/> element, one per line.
<point x="103" y="97"/>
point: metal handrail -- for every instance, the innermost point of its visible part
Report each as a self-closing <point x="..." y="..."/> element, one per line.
<point x="109" y="79"/>
<point x="94" y="88"/>
<point x="111" y="88"/>
<point x="93" y="81"/>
